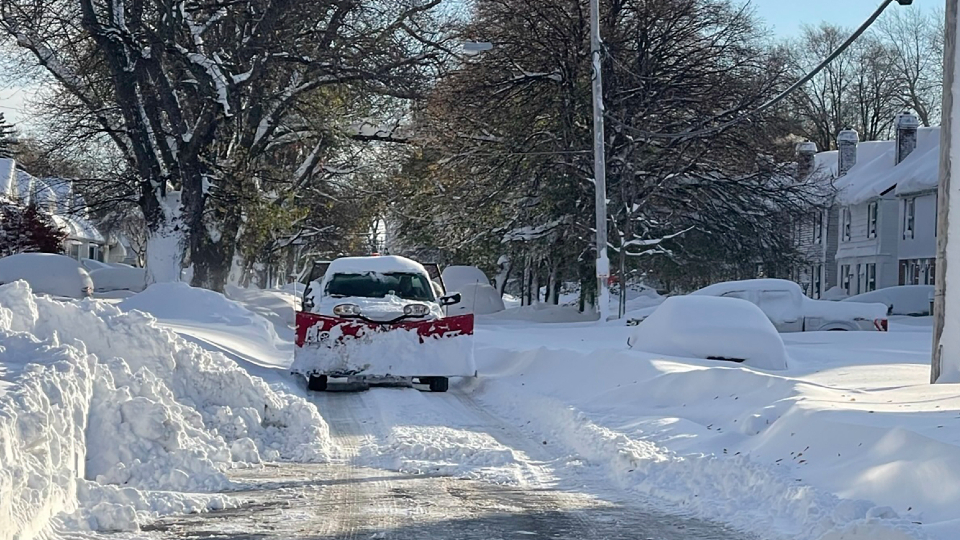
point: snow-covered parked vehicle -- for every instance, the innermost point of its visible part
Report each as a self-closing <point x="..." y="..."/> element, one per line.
<point x="114" y="278"/>
<point x="380" y="320"/>
<point x="913" y="300"/>
<point x="47" y="273"/>
<point x="711" y="328"/>
<point x="789" y="309"/>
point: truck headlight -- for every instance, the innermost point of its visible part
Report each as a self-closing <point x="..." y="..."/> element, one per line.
<point x="416" y="310"/>
<point x="346" y="310"/>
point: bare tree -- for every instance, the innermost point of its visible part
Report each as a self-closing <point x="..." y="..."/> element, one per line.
<point x="916" y="40"/>
<point x="199" y="97"/>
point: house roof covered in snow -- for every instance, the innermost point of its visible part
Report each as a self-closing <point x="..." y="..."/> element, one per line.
<point x="870" y="176"/>
<point x="921" y="170"/>
<point x="78" y="228"/>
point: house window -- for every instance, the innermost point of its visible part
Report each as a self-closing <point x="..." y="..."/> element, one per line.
<point x="903" y="273"/>
<point x="932" y="272"/>
<point x="817" y="280"/>
<point x="818" y="228"/>
<point x="845" y="219"/>
<point x="860" y="277"/>
<point x="872" y="220"/>
<point x="871" y="277"/>
<point x="93" y="252"/>
<point x="845" y="277"/>
<point x="915" y="272"/>
<point x="909" y="217"/>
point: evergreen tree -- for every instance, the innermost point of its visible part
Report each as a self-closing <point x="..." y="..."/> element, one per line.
<point x="28" y="230"/>
<point x="8" y="138"/>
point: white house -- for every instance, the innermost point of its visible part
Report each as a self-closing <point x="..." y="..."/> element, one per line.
<point x="56" y="197"/>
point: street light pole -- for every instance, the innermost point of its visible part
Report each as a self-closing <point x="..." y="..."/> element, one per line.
<point x="946" y="317"/>
<point x="599" y="166"/>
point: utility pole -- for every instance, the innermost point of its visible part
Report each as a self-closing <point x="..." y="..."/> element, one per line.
<point x="947" y="321"/>
<point x="599" y="167"/>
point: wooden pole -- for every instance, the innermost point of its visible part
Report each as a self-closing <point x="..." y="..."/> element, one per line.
<point x="943" y="207"/>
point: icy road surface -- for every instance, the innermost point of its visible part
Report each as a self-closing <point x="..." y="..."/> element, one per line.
<point x="438" y="493"/>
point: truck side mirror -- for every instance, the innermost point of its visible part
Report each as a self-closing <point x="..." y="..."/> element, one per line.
<point x="450" y="299"/>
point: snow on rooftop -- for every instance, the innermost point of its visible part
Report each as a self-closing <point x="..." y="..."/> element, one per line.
<point x="870" y="176"/>
<point x="379" y="264"/>
<point x="24" y="186"/>
<point x="825" y="164"/>
<point x="78" y="228"/>
<point x="921" y="170"/>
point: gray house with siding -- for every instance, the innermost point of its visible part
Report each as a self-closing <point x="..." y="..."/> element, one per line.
<point x="917" y="179"/>
<point x="880" y="231"/>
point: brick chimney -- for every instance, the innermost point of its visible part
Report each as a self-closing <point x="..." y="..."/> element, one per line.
<point x="847" y="150"/>
<point x="906" y="125"/>
<point x="805" y="153"/>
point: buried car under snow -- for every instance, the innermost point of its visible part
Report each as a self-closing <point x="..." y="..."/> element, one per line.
<point x="380" y="319"/>
<point x="712" y="329"/>
<point x="784" y="303"/>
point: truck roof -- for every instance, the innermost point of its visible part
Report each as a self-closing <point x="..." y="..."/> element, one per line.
<point x="380" y="264"/>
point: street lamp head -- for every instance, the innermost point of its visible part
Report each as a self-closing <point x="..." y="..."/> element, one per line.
<point x="905" y="2"/>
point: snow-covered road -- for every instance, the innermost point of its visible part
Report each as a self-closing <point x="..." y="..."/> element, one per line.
<point x="445" y="496"/>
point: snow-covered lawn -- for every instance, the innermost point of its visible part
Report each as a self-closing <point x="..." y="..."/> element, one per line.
<point x="851" y="438"/>
<point x="849" y="443"/>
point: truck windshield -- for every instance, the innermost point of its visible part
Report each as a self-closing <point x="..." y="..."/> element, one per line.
<point x="374" y="285"/>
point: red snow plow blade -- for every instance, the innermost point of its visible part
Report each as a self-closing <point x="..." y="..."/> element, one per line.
<point x="313" y="328"/>
<point x="347" y="347"/>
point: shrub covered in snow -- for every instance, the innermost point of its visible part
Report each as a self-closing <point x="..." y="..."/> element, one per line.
<point x="97" y="398"/>
<point x="47" y="273"/>
<point x="711" y="328"/>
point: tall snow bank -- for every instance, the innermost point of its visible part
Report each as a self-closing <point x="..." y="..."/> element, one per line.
<point x="712" y="328"/>
<point x="181" y="302"/>
<point x="98" y="398"/>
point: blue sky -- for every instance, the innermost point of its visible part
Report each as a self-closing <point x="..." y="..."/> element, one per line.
<point x="786" y="17"/>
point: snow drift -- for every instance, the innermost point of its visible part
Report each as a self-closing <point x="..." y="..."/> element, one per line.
<point x="104" y="413"/>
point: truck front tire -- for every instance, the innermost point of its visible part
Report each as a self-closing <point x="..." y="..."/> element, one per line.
<point x="317" y="383"/>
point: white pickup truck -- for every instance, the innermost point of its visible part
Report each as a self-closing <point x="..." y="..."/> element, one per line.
<point x="789" y="309"/>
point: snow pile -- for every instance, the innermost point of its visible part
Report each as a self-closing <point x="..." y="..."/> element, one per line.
<point x="712" y="328"/>
<point x="477" y="298"/>
<point x="544" y="313"/>
<point x="113" y="278"/>
<point x="181" y="302"/>
<point x="113" y="399"/>
<point x="47" y="273"/>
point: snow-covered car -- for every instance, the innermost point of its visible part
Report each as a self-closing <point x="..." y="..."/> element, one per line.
<point x="380" y="319"/>
<point x="711" y="328"/>
<point x="48" y="273"/>
<point x="112" y="278"/>
<point x="789" y="309"/>
<point x="92" y="264"/>
<point x="911" y="300"/>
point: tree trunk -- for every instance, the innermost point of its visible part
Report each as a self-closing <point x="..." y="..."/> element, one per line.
<point x="535" y="284"/>
<point x="503" y="276"/>
<point x="166" y="238"/>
